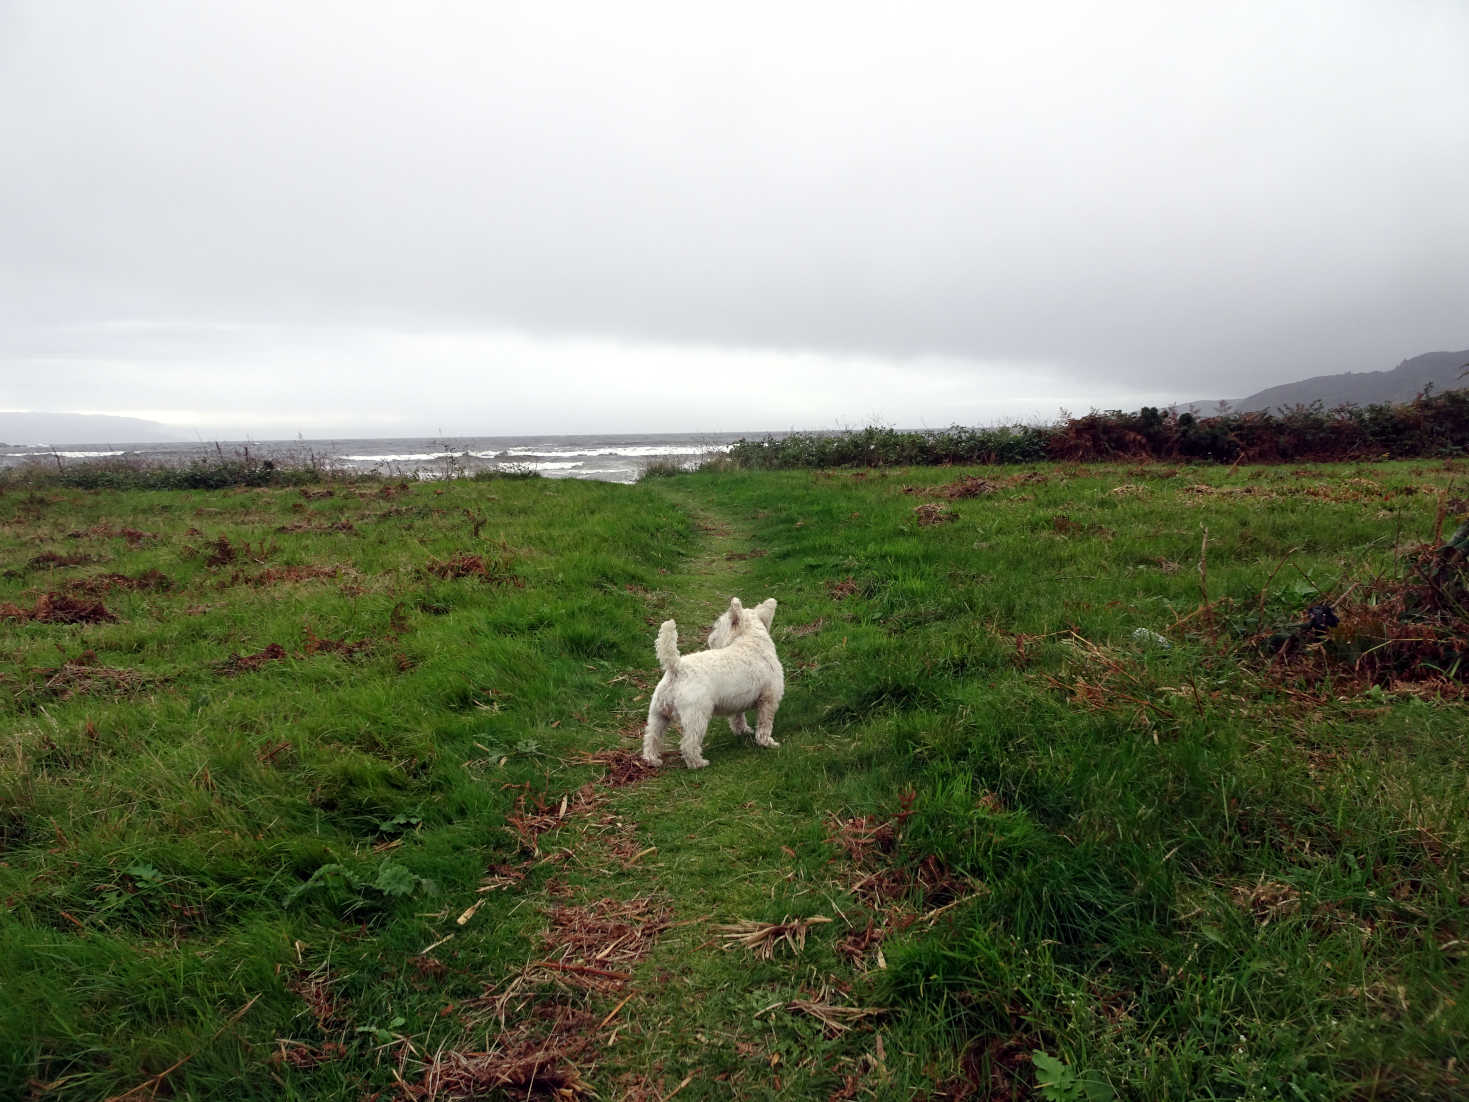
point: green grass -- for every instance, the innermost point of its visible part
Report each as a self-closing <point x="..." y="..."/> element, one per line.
<point x="1171" y="870"/>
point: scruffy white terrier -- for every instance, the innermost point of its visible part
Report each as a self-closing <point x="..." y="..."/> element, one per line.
<point x="739" y="671"/>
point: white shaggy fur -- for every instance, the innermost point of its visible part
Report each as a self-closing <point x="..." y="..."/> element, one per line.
<point x="740" y="671"/>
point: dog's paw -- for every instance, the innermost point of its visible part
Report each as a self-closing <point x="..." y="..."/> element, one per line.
<point x="652" y="759"/>
<point x="696" y="763"/>
<point x="768" y="742"/>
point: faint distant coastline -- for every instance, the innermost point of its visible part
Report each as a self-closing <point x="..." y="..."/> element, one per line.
<point x="38" y="429"/>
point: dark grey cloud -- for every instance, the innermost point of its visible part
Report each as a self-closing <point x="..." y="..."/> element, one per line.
<point x="1121" y="200"/>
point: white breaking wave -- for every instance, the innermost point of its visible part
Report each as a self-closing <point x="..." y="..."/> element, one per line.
<point x="411" y="458"/>
<point x="629" y="450"/>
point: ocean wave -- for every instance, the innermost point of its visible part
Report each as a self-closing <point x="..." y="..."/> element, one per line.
<point x="631" y="451"/>
<point x="415" y="457"/>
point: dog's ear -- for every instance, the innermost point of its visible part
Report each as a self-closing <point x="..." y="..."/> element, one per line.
<point x="736" y="610"/>
<point x="766" y="611"/>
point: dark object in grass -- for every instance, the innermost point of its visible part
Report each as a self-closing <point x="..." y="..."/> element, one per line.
<point x="60" y="608"/>
<point x="1320" y="618"/>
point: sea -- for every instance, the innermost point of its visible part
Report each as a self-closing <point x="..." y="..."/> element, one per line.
<point x="607" y="458"/>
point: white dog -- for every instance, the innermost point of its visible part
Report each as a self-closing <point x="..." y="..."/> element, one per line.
<point x="739" y="671"/>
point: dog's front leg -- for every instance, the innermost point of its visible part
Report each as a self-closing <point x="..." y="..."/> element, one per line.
<point x="765" y="721"/>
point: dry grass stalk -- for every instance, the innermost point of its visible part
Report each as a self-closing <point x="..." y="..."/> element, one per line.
<point x="763" y="938"/>
<point x="838" y="1019"/>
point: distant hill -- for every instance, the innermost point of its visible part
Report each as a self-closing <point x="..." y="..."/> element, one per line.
<point x="64" y="429"/>
<point x="1402" y="384"/>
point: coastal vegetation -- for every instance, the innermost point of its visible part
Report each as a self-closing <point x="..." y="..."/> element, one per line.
<point x="1431" y="425"/>
<point x="330" y="789"/>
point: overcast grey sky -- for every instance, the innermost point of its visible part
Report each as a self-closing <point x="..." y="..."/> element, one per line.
<point x="481" y="217"/>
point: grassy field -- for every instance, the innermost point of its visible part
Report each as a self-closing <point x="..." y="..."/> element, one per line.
<point x="331" y="791"/>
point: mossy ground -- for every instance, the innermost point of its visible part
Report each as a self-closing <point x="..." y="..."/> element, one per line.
<point x="243" y="814"/>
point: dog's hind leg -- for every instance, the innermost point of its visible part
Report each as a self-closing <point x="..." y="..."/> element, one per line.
<point x="694" y="725"/>
<point x="738" y="725"/>
<point x="765" y="721"/>
<point x="653" y="737"/>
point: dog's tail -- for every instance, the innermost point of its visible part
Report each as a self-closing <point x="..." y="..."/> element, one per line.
<point x="667" y="647"/>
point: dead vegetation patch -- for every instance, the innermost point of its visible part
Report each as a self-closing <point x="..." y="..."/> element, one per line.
<point x="340" y="526"/>
<point x="967" y="486"/>
<point x="274" y="652"/>
<point x="537" y="1058"/>
<point x="897" y="892"/>
<point x="1063" y="525"/>
<point x="83" y="675"/>
<point x="764" y="938"/>
<point x="1408" y="631"/>
<point x="60" y="608"/>
<point x="841" y="590"/>
<point x="533" y="817"/>
<point x="245" y="663"/>
<point x="591" y="944"/>
<point x="995" y="1069"/>
<point x="50" y="560"/>
<point x="495" y="571"/>
<point x="103" y="530"/>
<point x="346" y="648"/>
<point x="100" y="584"/>
<point x="933" y="512"/>
<point x="281" y="575"/>
<point x="623" y="767"/>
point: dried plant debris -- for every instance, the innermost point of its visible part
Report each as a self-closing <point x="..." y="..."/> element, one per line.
<point x="592" y="945"/>
<point x="315" y="644"/>
<point x="624" y="767"/>
<point x="1407" y="632"/>
<point x="99" y="584"/>
<point x="83" y="675"/>
<point x="764" y="938"/>
<point x="51" y="560"/>
<point x="535" y="1059"/>
<point x="933" y="512"/>
<point x="243" y="663"/>
<point x="530" y="820"/>
<point x="967" y="486"/>
<point x="494" y="571"/>
<point x="60" y="608"/>
<point x="836" y="1017"/>
<point x="278" y="575"/>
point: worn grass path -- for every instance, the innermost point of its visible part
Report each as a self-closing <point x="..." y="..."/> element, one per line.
<point x="743" y="840"/>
